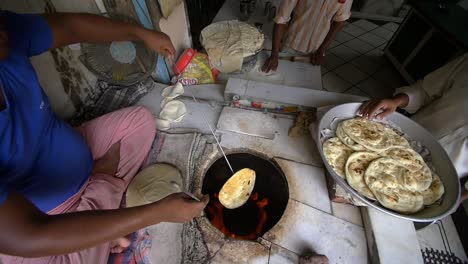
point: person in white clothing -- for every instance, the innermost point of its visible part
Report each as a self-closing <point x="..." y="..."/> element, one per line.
<point x="439" y="102"/>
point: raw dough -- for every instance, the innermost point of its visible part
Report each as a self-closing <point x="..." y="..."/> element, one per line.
<point x="228" y="42"/>
<point x="171" y="92"/>
<point x="173" y="111"/>
<point x="152" y="184"/>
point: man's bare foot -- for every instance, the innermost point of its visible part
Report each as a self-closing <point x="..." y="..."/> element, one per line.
<point x="119" y="245"/>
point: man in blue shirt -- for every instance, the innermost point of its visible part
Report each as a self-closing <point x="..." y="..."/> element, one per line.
<point x="60" y="187"/>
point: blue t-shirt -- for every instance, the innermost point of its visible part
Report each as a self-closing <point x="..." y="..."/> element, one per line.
<point x="41" y="156"/>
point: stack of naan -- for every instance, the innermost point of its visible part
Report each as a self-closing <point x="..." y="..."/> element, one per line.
<point x="380" y="165"/>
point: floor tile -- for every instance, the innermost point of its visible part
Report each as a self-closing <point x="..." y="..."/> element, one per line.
<point x="368" y="64"/>
<point x="323" y="70"/>
<point x="359" y="45"/>
<point x="332" y="61"/>
<point x="334" y="44"/>
<point x="302" y="177"/>
<point x="354" y="30"/>
<point x="350" y="73"/>
<point x="304" y="230"/>
<point x="344" y="53"/>
<point x="347" y="212"/>
<point x="356" y="91"/>
<point x="390" y="77"/>
<point x="333" y="83"/>
<point x="279" y="255"/>
<point x="343" y="36"/>
<point x="365" y="24"/>
<point x="241" y="251"/>
<point x="391" y="26"/>
<point x="432" y="237"/>
<point x="374" y="88"/>
<point x="383" y="32"/>
<point x="394" y="238"/>
<point x="372" y="39"/>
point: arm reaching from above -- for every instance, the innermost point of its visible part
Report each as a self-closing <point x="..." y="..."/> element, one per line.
<point x="68" y="28"/>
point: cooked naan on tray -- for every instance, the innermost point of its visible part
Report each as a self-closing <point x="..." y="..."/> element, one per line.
<point x="379" y="163"/>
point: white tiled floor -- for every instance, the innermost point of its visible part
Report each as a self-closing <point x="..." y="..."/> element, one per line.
<point x="353" y="30"/>
<point x="350" y="73"/>
<point x="372" y="39"/>
<point x="383" y="32"/>
<point x="333" y="83"/>
<point x="355" y="63"/>
<point x="343" y="37"/>
<point x="344" y="52"/>
<point x="332" y="61"/>
<point x="366" y="25"/>
<point x="359" y="45"/>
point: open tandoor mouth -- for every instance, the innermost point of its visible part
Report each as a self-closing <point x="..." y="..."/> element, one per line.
<point x="264" y="207"/>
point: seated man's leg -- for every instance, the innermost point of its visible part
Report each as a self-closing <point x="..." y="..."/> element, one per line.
<point x="133" y="127"/>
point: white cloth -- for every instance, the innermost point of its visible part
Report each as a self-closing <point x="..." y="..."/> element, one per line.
<point x="440" y="104"/>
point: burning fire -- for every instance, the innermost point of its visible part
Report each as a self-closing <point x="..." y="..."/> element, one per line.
<point x="215" y="210"/>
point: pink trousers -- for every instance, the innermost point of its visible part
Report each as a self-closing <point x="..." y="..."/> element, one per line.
<point x="135" y="128"/>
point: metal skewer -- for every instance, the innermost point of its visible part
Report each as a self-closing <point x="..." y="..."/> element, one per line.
<point x="177" y="186"/>
<point x="217" y="142"/>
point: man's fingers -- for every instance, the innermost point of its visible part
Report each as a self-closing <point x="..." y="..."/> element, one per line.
<point x="384" y="113"/>
<point x="365" y="109"/>
<point x="376" y="107"/>
<point x="362" y="107"/>
<point x="205" y="199"/>
<point x="266" y="66"/>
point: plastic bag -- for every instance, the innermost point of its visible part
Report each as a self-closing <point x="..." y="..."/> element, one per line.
<point x="198" y="71"/>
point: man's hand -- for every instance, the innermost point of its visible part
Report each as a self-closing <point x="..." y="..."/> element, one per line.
<point x="109" y="163"/>
<point x="380" y="108"/>
<point x="75" y="28"/>
<point x="271" y="64"/>
<point x="159" y="42"/>
<point x="318" y="57"/>
<point x="181" y="208"/>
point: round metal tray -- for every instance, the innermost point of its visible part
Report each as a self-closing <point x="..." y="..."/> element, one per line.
<point x="440" y="160"/>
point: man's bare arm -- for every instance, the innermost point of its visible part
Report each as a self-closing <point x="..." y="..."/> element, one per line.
<point x="26" y="231"/>
<point x="68" y="28"/>
<point x="278" y="35"/>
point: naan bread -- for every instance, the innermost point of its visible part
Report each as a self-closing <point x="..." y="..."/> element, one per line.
<point x="347" y="140"/>
<point x="371" y="135"/>
<point x="336" y="154"/>
<point x="406" y="156"/>
<point x="355" y="168"/>
<point x="236" y="191"/>
<point x="395" y="186"/>
<point x="415" y="181"/>
<point x="434" y="192"/>
<point x="400" y="200"/>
